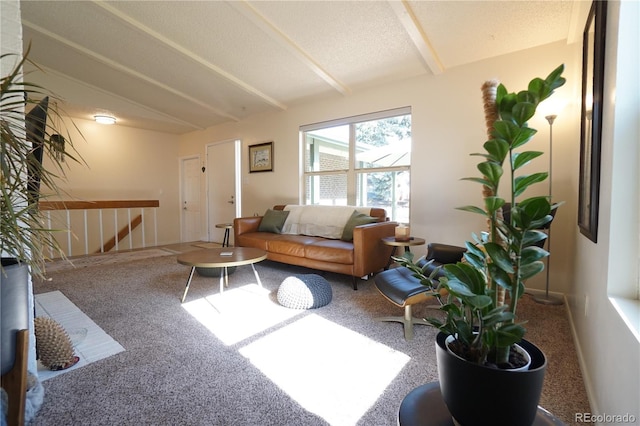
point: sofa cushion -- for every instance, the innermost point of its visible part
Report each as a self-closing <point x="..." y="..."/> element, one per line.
<point x="258" y="240"/>
<point x="291" y="245"/>
<point x="357" y="218"/>
<point x="273" y="220"/>
<point x="333" y="251"/>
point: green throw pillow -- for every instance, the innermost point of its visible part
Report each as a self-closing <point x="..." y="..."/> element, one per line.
<point x="356" y="219"/>
<point x="273" y="220"/>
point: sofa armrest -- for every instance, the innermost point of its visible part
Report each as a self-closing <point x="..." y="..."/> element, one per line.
<point x="370" y="254"/>
<point x="243" y="225"/>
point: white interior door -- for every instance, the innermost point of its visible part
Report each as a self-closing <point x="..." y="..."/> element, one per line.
<point x="190" y="199"/>
<point x="222" y="188"/>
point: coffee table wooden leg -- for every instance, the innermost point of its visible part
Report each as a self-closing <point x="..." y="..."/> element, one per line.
<point x="186" y="288"/>
<point x="256" y="274"/>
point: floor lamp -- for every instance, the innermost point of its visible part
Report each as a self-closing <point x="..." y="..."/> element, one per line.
<point x="546" y="299"/>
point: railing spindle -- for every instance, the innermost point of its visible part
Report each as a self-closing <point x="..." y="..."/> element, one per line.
<point x="69" y="233"/>
<point x="129" y="221"/>
<point x="143" y="235"/>
<point x="49" y="227"/>
<point x="115" y="226"/>
<point x="101" y="232"/>
<point x="86" y="233"/>
<point x="155" y="226"/>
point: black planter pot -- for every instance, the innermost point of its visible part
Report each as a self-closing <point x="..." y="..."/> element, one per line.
<point x="14" y="308"/>
<point x="478" y="395"/>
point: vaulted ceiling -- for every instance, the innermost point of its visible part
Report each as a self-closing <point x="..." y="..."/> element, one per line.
<point x="179" y="66"/>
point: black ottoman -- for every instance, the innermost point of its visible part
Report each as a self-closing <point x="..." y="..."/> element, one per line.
<point x="308" y="291"/>
<point x="214" y="272"/>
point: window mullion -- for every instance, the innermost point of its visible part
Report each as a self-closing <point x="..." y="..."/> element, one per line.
<point x="351" y="175"/>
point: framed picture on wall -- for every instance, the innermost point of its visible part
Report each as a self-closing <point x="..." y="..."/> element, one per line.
<point x="591" y="121"/>
<point x="261" y="157"/>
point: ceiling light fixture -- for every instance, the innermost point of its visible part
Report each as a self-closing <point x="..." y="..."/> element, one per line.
<point x="105" y="119"/>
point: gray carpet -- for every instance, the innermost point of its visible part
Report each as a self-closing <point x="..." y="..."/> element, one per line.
<point x="248" y="361"/>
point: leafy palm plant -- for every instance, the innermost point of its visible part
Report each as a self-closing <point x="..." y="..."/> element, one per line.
<point x="484" y="289"/>
<point x="24" y="237"/>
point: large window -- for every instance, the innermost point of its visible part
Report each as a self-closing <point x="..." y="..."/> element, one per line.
<point x="360" y="161"/>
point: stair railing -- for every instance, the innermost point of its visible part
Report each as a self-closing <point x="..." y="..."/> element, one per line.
<point x="119" y="208"/>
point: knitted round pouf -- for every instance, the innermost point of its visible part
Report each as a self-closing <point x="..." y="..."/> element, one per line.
<point x="307" y="291"/>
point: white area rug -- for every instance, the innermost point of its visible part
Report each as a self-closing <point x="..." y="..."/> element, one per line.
<point x="90" y="342"/>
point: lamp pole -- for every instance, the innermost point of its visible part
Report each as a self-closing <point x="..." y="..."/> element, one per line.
<point x="549" y="300"/>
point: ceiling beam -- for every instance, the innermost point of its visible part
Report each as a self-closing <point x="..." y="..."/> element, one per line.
<point x="191" y="55"/>
<point x="124" y="69"/>
<point x="285" y="41"/>
<point x="409" y="21"/>
<point x="169" y="117"/>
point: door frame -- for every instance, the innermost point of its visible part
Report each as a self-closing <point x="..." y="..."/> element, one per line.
<point x="237" y="180"/>
<point x="181" y="161"/>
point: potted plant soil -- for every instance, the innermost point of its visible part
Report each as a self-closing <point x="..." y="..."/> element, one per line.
<point x="476" y="367"/>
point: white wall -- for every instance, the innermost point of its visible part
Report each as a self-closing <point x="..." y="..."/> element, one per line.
<point x="447" y="125"/>
<point x="610" y="351"/>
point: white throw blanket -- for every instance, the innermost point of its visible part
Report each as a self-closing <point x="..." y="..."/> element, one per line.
<point x="320" y="221"/>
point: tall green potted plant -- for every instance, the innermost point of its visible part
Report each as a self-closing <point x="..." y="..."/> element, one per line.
<point x="475" y="346"/>
<point x="24" y="239"/>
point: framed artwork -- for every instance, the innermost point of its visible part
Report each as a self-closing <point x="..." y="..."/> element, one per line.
<point x="261" y="157"/>
<point x="591" y="121"/>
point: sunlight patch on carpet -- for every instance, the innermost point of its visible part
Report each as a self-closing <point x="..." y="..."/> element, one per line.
<point x="89" y="341"/>
<point x="329" y="370"/>
<point x="239" y="313"/>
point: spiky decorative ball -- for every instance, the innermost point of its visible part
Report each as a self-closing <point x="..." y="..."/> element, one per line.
<point x="53" y="345"/>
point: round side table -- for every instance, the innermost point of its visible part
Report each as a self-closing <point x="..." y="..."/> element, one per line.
<point x="391" y="241"/>
<point x="226" y="227"/>
<point x="424" y="406"/>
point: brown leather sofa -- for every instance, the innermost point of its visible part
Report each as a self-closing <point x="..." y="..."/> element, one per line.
<point x="361" y="257"/>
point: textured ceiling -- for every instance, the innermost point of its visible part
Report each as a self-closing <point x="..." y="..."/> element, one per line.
<point x="179" y="66"/>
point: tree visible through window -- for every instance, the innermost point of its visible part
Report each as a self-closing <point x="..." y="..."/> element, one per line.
<point x="361" y="161"/>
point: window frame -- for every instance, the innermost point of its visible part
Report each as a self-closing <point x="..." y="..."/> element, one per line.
<point x="352" y="172"/>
